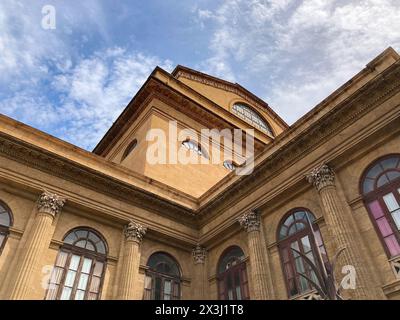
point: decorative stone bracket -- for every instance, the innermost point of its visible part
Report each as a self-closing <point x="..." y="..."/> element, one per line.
<point x="199" y="254"/>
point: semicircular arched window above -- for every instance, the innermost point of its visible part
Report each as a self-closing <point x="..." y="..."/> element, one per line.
<point x="298" y="233"/>
<point x="381" y="193"/>
<point x="232" y="275"/>
<point x="163" y="278"/>
<point x="86" y="239"/>
<point x="381" y="173"/>
<point x="294" y="223"/>
<point x="246" y="113"/>
<point x="79" y="269"/>
<point x="5" y="224"/>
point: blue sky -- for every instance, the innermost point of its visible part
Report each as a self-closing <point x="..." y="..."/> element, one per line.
<point x="73" y="82"/>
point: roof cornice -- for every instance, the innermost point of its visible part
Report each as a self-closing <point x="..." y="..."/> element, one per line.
<point x="185" y="72"/>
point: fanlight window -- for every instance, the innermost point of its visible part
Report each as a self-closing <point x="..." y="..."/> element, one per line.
<point x="249" y="115"/>
<point x="163" y="278"/>
<point x="79" y="269"/>
<point x="129" y="149"/>
<point x="230" y="165"/>
<point x="232" y="275"/>
<point x="194" y="146"/>
<point x="381" y="192"/>
<point x="298" y="231"/>
<point x="5" y="224"/>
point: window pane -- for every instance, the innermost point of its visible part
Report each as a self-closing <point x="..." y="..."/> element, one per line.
<point x="389" y="163"/>
<point x="92" y="296"/>
<point x="87" y="264"/>
<point x="56" y="275"/>
<point x="374" y="171"/>
<point x="237" y="285"/>
<point x="83" y="280"/>
<point x="95" y="284"/>
<point x="295" y="246"/>
<point x="392" y="245"/>
<point x="81" y="244"/>
<point x="167" y="289"/>
<point x="66" y="293"/>
<point x="4" y="218"/>
<point x="368" y="185"/>
<point x="52" y="292"/>
<point x="376" y="209"/>
<point x="82" y="234"/>
<point x="391" y="202"/>
<point x="289" y="220"/>
<point x="70" y="239"/>
<point x="94" y="237"/>
<point x="396" y="218"/>
<point x="382" y="181"/>
<point x="306" y="244"/>
<point x="393" y="175"/>
<point x="1" y="239"/>
<point x="79" y="295"/>
<point x="101" y="248"/>
<point x="98" y="269"/>
<point x="61" y="259"/>
<point x="74" y="263"/>
<point x="384" y="226"/>
<point x="90" y="246"/>
<point x="69" y="280"/>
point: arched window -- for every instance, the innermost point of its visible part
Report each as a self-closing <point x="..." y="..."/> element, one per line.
<point x="129" y="149"/>
<point x="194" y="146"/>
<point x="163" y="278"/>
<point x="232" y="275"/>
<point x="230" y="165"/>
<point x="299" y="231"/>
<point x="380" y="186"/>
<point x="252" y="117"/>
<point x="5" y="224"/>
<point x="80" y="265"/>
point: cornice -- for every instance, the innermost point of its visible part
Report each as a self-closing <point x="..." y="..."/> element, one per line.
<point x="184" y="72"/>
<point x="348" y="111"/>
<point x="45" y="161"/>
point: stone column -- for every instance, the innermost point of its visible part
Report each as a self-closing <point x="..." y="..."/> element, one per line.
<point x="339" y="228"/>
<point x="38" y="241"/>
<point x="258" y="258"/>
<point x="199" y="256"/>
<point x="134" y="233"/>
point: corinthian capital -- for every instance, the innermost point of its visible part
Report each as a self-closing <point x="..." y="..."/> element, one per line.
<point x="321" y="177"/>
<point x="50" y="203"/>
<point x="250" y="221"/>
<point x="134" y="232"/>
<point x="199" y="254"/>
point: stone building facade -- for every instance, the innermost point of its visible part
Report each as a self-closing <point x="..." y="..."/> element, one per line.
<point x="108" y="224"/>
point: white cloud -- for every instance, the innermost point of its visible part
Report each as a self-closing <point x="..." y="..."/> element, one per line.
<point x="294" y="53"/>
<point x="98" y="88"/>
<point x="47" y="81"/>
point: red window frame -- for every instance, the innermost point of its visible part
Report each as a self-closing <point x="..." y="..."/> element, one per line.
<point x="288" y="264"/>
<point x="237" y="271"/>
<point x="377" y="195"/>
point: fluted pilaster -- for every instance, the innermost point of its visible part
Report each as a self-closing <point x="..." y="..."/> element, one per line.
<point x="258" y="257"/>
<point x="38" y="240"/>
<point x="323" y="178"/>
<point x="134" y="233"/>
